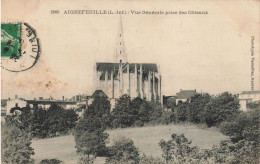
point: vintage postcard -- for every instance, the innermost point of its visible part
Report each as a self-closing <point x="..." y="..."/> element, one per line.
<point x="139" y="82"/>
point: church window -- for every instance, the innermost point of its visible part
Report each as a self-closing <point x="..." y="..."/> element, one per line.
<point x="120" y="51"/>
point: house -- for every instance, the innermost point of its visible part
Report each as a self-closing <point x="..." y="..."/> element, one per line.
<point x="15" y="104"/>
<point x="183" y="95"/>
<point x="247" y="97"/>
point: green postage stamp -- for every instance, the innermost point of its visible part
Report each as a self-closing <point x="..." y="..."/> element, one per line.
<point x="11" y="40"/>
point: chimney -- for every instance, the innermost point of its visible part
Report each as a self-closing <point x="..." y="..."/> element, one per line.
<point x="62" y="98"/>
<point x="9" y="98"/>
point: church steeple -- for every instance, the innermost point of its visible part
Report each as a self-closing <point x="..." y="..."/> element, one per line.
<point x="120" y="47"/>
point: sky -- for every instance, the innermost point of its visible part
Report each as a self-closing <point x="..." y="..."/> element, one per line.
<point x="209" y="53"/>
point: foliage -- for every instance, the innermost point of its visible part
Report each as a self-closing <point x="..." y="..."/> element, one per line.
<point x="16" y="143"/>
<point x="123" y="115"/>
<point x="51" y="161"/>
<point x="137" y="112"/>
<point x="182" y="111"/>
<point x="145" y="112"/>
<point x="149" y="159"/>
<point x="84" y="159"/>
<point x="100" y="109"/>
<point x="239" y="153"/>
<point x="178" y="149"/>
<point x="221" y="108"/>
<point x="196" y="107"/>
<point x="254" y="106"/>
<point x="48" y="123"/>
<point x="123" y="151"/>
<point x="90" y="137"/>
<point x="244" y="126"/>
<point x="159" y="116"/>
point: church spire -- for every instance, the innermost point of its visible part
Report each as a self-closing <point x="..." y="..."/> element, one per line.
<point x="120" y="48"/>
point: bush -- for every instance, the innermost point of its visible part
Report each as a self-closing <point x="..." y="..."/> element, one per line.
<point x="123" y="151"/>
<point x="239" y="153"/>
<point x="178" y="150"/>
<point x="151" y="160"/>
<point x="84" y="159"/>
<point x="244" y="126"/>
<point x="51" y="161"/>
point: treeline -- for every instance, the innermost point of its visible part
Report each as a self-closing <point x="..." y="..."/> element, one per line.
<point x="203" y="108"/>
<point x="18" y="130"/>
<point x="199" y="109"/>
<point x="41" y="123"/>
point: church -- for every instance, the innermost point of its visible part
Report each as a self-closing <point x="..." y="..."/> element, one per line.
<point x="121" y="77"/>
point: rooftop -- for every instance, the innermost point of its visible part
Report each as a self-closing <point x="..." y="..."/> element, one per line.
<point x="249" y="92"/>
<point x="185" y="94"/>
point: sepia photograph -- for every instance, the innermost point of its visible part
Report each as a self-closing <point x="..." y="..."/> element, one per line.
<point x="130" y="82"/>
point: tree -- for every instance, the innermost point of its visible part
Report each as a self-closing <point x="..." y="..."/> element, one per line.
<point x="90" y="135"/>
<point x="100" y="109"/>
<point x="145" y="112"/>
<point x="123" y="150"/>
<point x="159" y="116"/>
<point x="135" y="109"/>
<point x="16" y="143"/>
<point x="123" y="115"/>
<point x="221" y="108"/>
<point x="182" y="111"/>
<point x="196" y="107"/>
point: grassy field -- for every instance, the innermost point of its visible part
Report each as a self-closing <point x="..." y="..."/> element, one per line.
<point x="145" y="138"/>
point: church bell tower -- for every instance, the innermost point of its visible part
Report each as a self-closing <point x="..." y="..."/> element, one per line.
<point x="120" y="54"/>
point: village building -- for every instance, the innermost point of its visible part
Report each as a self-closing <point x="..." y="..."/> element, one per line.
<point x="17" y="104"/>
<point x="247" y="97"/>
<point x="121" y="77"/>
<point x="184" y="95"/>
